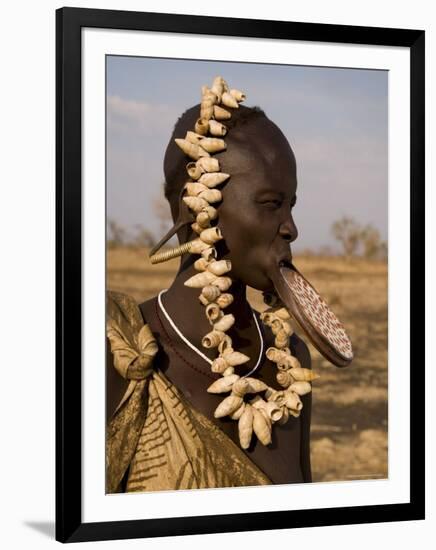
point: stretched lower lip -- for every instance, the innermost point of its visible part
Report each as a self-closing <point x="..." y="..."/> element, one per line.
<point x="286" y="264"/>
<point x="280" y="275"/>
<point x="277" y="275"/>
<point x="275" y="271"/>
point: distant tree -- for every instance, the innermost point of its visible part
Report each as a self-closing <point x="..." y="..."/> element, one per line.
<point x="326" y="250"/>
<point x="163" y="213"/>
<point x="143" y="237"/>
<point x="117" y="235"/>
<point x="384" y="250"/>
<point x="373" y="246"/>
<point x="348" y="232"/>
<point x="306" y="252"/>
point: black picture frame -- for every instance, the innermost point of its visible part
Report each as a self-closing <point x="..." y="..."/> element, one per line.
<point x="69" y="22"/>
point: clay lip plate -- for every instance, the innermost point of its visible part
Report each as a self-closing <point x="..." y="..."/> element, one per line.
<point x="285" y="287"/>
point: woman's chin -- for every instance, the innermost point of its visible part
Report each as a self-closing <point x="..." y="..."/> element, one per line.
<point x="262" y="284"/>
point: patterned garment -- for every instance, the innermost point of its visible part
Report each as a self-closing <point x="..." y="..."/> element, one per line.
<point x="155" y="435"/>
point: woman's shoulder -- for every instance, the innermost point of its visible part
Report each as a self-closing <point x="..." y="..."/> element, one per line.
<point x="119" y="304"/>
<point x="129" y="336"/>
<point x="126" y="317"/>
<point x="124" y="321"/>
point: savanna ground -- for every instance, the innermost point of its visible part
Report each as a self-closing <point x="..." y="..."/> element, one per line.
<point x="349" y="413"/>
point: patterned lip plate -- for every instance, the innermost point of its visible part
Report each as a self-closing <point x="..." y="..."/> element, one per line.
<point x="318" y="314"/>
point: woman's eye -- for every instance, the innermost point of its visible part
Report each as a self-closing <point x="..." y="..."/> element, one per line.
<point x="273" y="203"/>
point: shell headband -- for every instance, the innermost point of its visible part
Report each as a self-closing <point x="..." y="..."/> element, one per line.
<point x="251" y="402"/>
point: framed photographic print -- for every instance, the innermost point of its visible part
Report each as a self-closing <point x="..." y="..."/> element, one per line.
<point x="240" y="274"/>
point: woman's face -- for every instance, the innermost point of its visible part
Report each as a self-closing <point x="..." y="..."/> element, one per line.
<point x="255" y="216"/>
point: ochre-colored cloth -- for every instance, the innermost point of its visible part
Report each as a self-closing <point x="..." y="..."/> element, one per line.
<point x="155" y="436"/>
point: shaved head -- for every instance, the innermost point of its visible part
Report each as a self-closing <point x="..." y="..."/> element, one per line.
<point x="175" y="160"/>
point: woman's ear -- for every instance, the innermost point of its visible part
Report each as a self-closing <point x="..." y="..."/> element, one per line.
<point x="185" y="218"/>
<point x="186" y="233"/>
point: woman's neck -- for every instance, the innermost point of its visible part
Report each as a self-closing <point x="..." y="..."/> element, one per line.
<point x="188" y="313"/>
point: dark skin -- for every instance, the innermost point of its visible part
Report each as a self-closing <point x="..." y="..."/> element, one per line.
<point x="256" y="221"/>
<point x="255" y="218"/>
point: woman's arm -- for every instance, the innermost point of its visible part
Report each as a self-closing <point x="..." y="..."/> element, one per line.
<point x="116" y="385"/>
<point x="303" y="355"/>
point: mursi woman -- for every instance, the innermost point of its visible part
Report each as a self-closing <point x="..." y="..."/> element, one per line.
<point x="203" y="391"/>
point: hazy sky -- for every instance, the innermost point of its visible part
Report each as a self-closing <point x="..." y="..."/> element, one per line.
<point x="334" y="119"/>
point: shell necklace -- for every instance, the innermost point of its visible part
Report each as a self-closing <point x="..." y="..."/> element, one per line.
<point x="255" y="414"/>
<point x="194" y="348"/>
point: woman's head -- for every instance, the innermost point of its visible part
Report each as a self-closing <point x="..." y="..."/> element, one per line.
<point x="255" y="214"/>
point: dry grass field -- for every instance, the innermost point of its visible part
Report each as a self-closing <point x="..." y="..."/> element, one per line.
<point x="349" y="414"/>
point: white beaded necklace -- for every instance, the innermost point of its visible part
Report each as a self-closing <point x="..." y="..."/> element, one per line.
<point x="194" y="348"/>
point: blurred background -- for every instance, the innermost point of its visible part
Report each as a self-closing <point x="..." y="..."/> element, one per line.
<point x="336" y="123"/>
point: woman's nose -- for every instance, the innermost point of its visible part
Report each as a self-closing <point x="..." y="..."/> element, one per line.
<point x="288" y="230"/>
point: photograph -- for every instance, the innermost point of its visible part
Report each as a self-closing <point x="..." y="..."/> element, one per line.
<point x="246" y="274"/>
